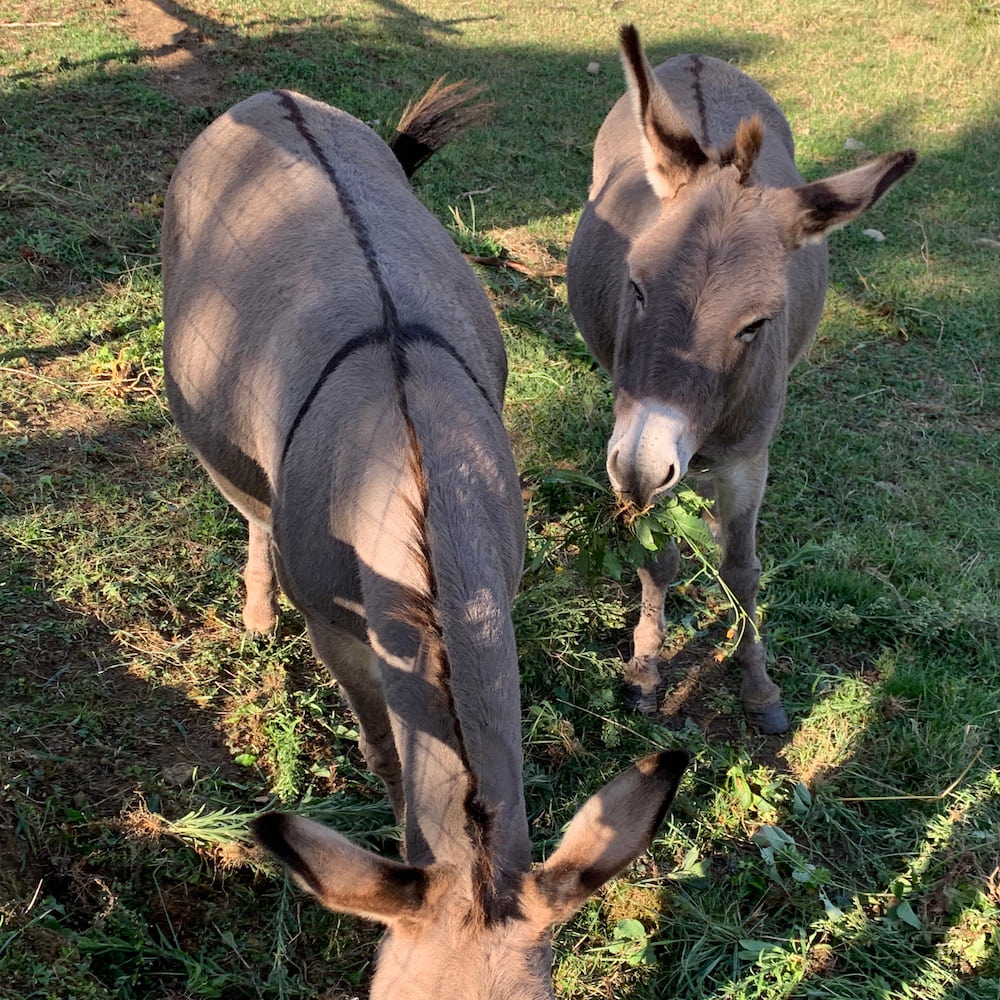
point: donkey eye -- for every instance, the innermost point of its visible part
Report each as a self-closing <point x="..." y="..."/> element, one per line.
<point x="640" y="298"/>
<point x="750" y="330"/>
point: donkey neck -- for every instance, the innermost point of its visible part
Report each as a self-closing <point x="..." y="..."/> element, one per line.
<point x="453" y="687"/>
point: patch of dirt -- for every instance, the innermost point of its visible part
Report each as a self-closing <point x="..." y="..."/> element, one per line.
<point x="179" y="52"/>
<point x="523" y="253"/>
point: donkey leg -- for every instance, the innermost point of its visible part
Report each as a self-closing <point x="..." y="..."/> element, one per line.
<point x="642" y="675"/>
<point x="356" y="669"/>
<point x="260" y="609"/>
<point x="740" y="489"/>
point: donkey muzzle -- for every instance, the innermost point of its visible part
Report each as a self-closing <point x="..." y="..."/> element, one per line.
<point x="649" y="450"/>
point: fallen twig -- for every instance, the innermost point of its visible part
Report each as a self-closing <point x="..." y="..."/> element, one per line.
<point x="556" y="271"/>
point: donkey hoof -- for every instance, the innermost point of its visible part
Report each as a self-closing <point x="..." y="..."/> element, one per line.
<point x="637" y="700"/>
<point x="768" y="718"/>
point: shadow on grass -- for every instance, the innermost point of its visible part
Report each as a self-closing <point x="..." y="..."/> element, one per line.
<point x="110" y="642"/>
<point x="90" y="148"/>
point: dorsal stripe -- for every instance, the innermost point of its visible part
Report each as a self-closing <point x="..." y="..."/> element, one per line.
<point x="696" y="70"/>
<point x="393" y="331"/>
<point x="354" y="217"/>
<point x="398" y="337"/>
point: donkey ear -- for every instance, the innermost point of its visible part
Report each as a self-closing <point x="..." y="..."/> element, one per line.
<point x="745" y="147"/>
<point x="341" y="875"/>
<point x="610" y="831"/>
<point x="812" y="211"/>
<point x="670" y="151"/>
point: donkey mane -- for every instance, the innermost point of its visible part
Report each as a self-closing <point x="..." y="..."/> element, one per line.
<point x="420" y="610"/>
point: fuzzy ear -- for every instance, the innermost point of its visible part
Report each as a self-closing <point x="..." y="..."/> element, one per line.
<point x="743" y="152"/>
<point x="341" y="875"/>
<point x="671" y="152"/>
<point x="812" y="211"/>
<point x="610" y="830"/>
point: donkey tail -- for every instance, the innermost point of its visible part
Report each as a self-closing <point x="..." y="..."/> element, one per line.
<point x="435" y="119"/>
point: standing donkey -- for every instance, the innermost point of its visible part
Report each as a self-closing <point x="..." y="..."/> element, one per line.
<point x="697" y="276"/>
<point x="336" y="367"/>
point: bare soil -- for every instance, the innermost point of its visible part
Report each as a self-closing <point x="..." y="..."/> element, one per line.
<point x="179" y="52"/>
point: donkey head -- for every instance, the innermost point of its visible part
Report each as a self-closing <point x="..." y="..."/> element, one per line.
<point x="704" y="320"/>
<point x="443" y="941"/>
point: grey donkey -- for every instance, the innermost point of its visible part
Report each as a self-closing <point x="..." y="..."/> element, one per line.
<point x="336" y="367"/>
<point x="697" y="276"/>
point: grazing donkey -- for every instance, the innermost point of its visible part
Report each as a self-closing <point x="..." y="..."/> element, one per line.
<point x="697" y="276"/>
<point x="337" y="368"/>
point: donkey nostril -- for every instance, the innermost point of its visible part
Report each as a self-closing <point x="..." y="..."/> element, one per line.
<point x="667" y="481"/>
<point x="614" y="473"/>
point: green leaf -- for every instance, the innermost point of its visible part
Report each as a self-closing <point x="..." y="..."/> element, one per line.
<point x="630" y="930"/>
<point x="752" y="949"/>
<point x="801" y="799"/>
<point x="612" y="565"/>
<point x="575" y="478"/>
<point x="694" y="870"/>
<point x="644" y="534"/>
<point x="833" y="911"/>
<point x="904" y="912"/>
<point x="773" y="836"/>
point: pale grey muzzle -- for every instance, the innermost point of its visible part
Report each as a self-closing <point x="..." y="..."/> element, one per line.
<point x="649" y="450"/>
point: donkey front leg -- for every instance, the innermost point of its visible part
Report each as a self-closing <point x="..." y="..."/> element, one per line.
<point x="260" y="610"/>
<point x="739" y="491"/>
<point x="642" y="675"/>
<point x="357" y="670"/>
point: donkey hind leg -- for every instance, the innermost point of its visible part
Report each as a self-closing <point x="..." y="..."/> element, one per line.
<point x="740" y="489"/>
<point x="642" y="675"/>
<point x="260" y="610"/>
<point x="356" y="669"/>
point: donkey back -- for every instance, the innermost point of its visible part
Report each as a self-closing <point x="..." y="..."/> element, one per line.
<point x="338" y="370"/>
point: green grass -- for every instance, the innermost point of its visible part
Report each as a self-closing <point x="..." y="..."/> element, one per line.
<point x="854" y="859"/>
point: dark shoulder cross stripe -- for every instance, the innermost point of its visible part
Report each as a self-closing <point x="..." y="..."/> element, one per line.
<point x="405" y="336"/>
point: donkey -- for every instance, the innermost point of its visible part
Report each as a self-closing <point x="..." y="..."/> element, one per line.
<point x="337" y="368"/>
<point x="697" y="276"/>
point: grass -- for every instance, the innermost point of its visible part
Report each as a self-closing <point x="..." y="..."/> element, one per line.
<point x="854" y="859"/>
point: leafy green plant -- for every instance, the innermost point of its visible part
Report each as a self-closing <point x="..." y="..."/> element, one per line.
<point x="599" y="538"/>
<point x="630" y="942"/>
